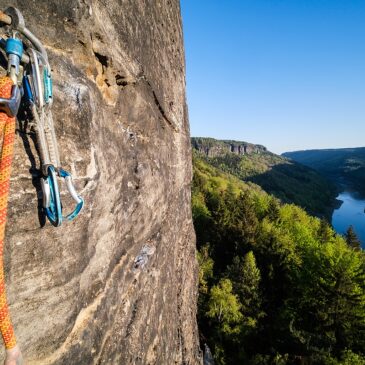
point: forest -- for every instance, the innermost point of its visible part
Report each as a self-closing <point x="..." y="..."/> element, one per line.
<point x="344" y="166"/>
<point x="276" y="285"/>
<point x="287" y="180"/>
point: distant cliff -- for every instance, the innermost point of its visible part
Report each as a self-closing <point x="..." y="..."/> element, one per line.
<point x="119" y="284"/>
<point x="213" y="148"/>
<point x="289" y="181"/>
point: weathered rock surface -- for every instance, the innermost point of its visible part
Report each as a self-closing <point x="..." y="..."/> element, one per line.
<point x="212" y="147"/>
<point x="118" y="285"/>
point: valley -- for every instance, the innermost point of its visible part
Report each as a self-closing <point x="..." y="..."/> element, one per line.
<point x="350" y="212"/>
<point x="276" y="285"/>
<point x="344" y="167"/>
<point x="287" y="180"/>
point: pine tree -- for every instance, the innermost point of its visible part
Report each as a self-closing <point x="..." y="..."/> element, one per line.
<point x="248" y="290"/>
<point x="351" y="239"/>
<point x="273" y="210"/>
<point x="245" y="221"/>
<point x="330" y="302"/>
<point x="246" y="277"/>
<point x="325" y="233"/>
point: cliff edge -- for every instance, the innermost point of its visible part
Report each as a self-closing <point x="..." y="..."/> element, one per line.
<point x="215" y="148"/>
<point x="119" y="284"/>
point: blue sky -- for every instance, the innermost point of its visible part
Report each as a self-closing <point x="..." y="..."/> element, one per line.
<point x="288" y="74"/>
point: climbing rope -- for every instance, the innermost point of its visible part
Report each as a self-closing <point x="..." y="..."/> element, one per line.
<point x="7" y="128"/>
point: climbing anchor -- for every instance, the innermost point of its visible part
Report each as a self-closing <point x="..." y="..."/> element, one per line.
<point x="36" y="83"/>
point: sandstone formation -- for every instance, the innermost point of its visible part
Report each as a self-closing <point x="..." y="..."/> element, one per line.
<point x="119" y="284"/>
<point x="213" y="148"/>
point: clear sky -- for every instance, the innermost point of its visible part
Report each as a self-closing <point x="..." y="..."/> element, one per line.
<point x="288" y="74"/>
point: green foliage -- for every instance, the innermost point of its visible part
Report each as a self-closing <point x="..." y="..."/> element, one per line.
<point x="325" y="232"/>
<point x="205" y="269"/>
<point x="336" y="164"/>
<point x="329" y="305"/>
<point x="347" y="358"/>
<point x="277" y="286"/>
<point x="350" y="358"/>
<point x="248" y="289"/>
<point x="286" y="180"/>
<point x="224" y="307"/>
<point x="276" y="359"/>
<point x="351" y="239"/>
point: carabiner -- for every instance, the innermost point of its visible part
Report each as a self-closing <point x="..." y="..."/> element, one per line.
<point x="51" y="197"/>
<point x="71" y="189"/>
<point x="36" y="84"/>
<point x="52" y="200"/>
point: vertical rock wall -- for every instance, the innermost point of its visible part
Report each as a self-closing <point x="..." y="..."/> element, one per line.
<point x="118" y="285"/>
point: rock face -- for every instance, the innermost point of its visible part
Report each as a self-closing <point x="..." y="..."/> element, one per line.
<point x="212" y="147"/>
<point x="117" y="285"/>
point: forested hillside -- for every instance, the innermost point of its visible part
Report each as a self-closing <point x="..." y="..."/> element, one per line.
<point x="277" y="286"/>
<point x="287" y="180"/>
<point x="345" y="166"/>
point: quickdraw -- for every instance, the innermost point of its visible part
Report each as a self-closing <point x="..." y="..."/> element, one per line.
<point x="30" y="70"/>
<point x="28" y="75"/>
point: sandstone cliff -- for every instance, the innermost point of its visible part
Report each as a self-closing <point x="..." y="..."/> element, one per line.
<point x="213" y="148"/>
<point x="118" y="285"/>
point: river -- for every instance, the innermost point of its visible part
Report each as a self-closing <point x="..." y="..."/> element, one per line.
<point x="351" y="212"/>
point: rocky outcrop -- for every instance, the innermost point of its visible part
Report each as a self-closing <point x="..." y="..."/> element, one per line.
<point x="213" y="147"/>
<point x="117" y="285"/>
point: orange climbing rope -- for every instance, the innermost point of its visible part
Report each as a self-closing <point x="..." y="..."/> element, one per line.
<point x="7" y="130"/>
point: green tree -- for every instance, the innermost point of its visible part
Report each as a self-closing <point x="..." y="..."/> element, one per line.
<point x="245" y="218"/>
<point x="325" y="232"/>
<point x="273" y="258"/>
<point x="224" y="307"/>
<point x="350" y="358"/>
<point x="234" y="225"/>
<point x="330" y="301"/>
<point x="249" y="292"/>
<point x="205" y="268"/>
<point x="351" y="239"/>
<point x="273" y="211"/>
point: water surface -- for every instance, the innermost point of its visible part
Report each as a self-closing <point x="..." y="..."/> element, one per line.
<point x="351" y="212"/>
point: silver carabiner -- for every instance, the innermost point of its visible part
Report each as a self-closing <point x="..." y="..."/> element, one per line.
<point x="71" y="189"/>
